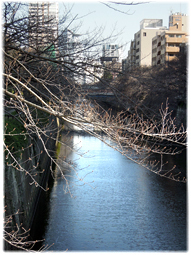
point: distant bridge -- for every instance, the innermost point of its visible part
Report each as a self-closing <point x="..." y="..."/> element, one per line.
<point x="105" y="97"/>
<point x="100" y="94"/>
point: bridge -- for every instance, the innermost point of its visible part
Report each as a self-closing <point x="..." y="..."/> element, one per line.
<point x="100" y="94"/>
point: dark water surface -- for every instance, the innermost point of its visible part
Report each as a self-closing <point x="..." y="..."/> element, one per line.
<point x="122" y="206"/>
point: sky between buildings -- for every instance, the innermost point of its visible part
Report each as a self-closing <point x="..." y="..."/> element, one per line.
<point x="99" y="15"/>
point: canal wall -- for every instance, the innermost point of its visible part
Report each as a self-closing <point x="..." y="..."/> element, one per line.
<point x="22" y="196"/>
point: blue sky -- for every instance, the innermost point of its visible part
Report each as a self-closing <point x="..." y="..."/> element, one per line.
<point x="100" y="15"/>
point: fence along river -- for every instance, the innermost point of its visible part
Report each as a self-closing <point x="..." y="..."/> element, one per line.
<point x="121" y="206"/>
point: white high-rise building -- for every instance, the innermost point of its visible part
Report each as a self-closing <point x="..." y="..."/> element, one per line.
<point x="78" y="64"/>
<point x="43" y="23"/>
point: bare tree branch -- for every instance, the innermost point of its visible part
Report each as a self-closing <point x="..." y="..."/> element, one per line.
<point x="43" y="82"/>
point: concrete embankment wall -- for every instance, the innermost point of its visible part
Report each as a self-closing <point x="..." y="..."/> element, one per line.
<point x="22" y="196"/>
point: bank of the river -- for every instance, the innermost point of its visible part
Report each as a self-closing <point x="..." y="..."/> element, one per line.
<point x="24" y="199"/>
<point x="116" y="205"/>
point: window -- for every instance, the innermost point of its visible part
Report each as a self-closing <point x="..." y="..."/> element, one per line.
<point x="178" y="36"/>
<point x="144" y="34"/>
<point x="171" y="35"/>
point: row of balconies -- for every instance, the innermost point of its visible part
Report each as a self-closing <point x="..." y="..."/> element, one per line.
<point x="158" y="54"/>
<point x="167" y="50"/>
<point x="160" y="59"/>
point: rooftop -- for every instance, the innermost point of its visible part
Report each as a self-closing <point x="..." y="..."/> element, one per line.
<point x="151" y="23"/>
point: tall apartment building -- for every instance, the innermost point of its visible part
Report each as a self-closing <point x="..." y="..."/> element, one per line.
<point x="43" y="23"/>
<point x="166" y="45"/>
<point x="140" y="53"/>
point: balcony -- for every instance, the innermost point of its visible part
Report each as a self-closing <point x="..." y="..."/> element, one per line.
<point x="170" y="58"/>
<point x="172" y="49"/>
<point x="174" y="40"/>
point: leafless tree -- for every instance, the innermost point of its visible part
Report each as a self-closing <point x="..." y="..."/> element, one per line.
<point x="112" y="5"/>
<point x="43" y="85"/>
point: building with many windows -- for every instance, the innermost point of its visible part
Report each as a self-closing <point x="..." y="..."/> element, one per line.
<point x="140" y="53"/>
<point x="154" y="44"/>
<point x="167" y="44"/>
<point x="78" y="64"/>
<point x="110" y="53"/>
<point x="43" y="23"/>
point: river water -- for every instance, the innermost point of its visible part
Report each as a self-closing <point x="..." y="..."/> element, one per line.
<point x="116" y="206"/>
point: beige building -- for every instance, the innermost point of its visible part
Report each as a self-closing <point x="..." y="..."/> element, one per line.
<point x="140" y="53"/>
<point x="166" y="45"/>
<point x="154" y="44"/>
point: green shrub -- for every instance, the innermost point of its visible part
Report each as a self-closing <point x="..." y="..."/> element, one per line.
<point x="14" y="135"/>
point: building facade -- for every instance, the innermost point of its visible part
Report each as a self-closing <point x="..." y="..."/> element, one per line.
<point x="140" y="53"/>
<point x="43" y="24"/>
<point x="111" y="60"/>
<point x="70" y="46"/>
<point x="79" y="66"/>
<point x="167" y="44"/>
<point x="129" y="62"/>
<point x="111" y="53"/>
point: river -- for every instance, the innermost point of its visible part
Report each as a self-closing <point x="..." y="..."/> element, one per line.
<point x="116" y="206"/>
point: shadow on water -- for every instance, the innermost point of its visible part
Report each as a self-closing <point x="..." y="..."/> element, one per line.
<point x="42" y="216"/>
<point x="176" y="162"/>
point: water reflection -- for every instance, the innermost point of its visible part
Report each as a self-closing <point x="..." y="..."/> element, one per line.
<point x="121" y="207"/>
